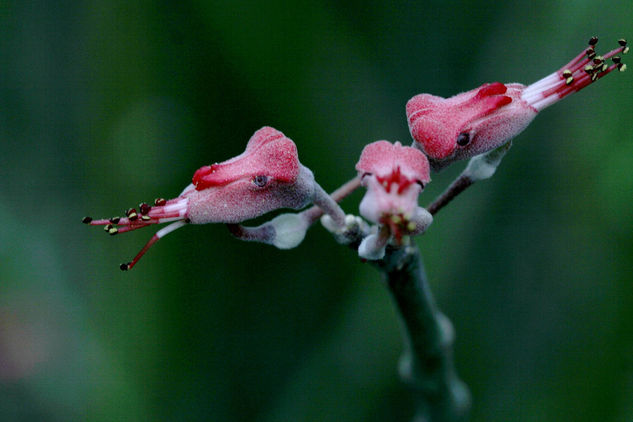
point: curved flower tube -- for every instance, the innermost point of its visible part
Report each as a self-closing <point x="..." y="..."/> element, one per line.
<point x="265" y="177"/>
<point x="480" y="120"/>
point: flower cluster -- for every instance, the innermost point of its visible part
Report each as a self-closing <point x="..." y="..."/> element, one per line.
<point x="268" y="175"/>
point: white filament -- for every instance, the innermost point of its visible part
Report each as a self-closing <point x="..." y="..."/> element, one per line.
<point x="166" y="230"/>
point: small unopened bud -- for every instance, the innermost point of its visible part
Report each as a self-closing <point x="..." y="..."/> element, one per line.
<point x="290" y="230"/>
<point x="373" y="246"/>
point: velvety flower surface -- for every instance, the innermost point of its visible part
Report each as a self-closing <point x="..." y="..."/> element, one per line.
<point x="267" y="176"/>
<point x="480" y="120"/>
<point x="394" y="176"/>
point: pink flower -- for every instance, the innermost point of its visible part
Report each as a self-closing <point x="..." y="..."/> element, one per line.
<point x="265" y="177"/>
<point x="478" y="121"/>
<point x="394" y="177"/>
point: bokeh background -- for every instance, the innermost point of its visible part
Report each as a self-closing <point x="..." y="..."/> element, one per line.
<point x="106" y="104"/>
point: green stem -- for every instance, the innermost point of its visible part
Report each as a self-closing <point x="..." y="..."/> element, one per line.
<point x="427" y="363"/>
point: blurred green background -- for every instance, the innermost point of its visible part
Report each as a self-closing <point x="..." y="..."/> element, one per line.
<point x="106" y="104"/>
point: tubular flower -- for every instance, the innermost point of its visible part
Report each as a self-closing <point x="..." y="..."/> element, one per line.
<point x="394" y="176"/>
<point x="480" y="120"/>
<point x="265" y="177"/>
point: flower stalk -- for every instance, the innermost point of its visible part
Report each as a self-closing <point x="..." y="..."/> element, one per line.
<point x="427" y="365"/>
<point x="479" y="168"/>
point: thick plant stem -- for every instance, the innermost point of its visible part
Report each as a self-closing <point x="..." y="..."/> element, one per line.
<point x="427" y="363"/>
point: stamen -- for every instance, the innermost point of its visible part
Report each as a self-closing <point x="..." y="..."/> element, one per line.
<point x="173" y="210"/>
<point x="161" y="233"/>
<point x="144" y="208"/>
<point x="584" y="69"/>
<point x="131" y="214"/>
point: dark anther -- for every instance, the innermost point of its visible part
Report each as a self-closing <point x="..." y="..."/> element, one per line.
<point x="590" y="51"/>
<point x="616" y="59"/>
<point x="115" y="220"/>
<point x="108" y="227"/>
<point x="187" y="220"/>
<point x="131" y="214"/>
<point x="593" y="41"/>
<point x="260" y="181"/>
<point x="144" y="208"/>
<point x="591" y="54"/>
<point x="588" y="68"/>
<point x="124" y="266"/>
<point x="463" y="139"/>
<point x="567" y="73"/>
<point x="86" y="220"/>
<point x="160" y="201"/>
<point x="622" y="42"/>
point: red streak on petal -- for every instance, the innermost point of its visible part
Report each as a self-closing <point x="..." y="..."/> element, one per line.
<point x="495" y="88"/>
<point x="395" y="177"/>
<point x="200" y="174"/>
